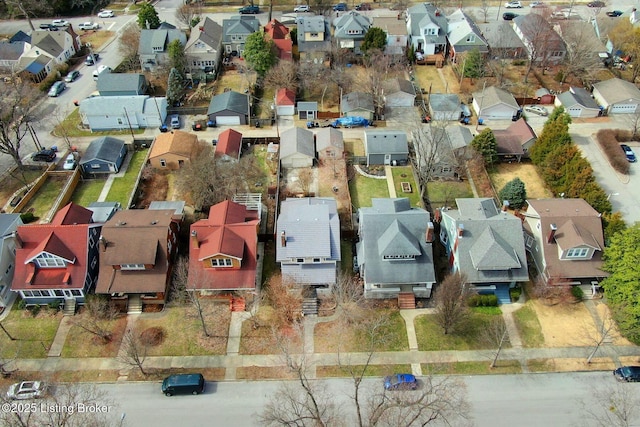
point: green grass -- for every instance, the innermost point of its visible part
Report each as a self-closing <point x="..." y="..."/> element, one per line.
<point x="431" y="338"/>
<point x="529" y="327"/>
<point x="444" y="193"/>
<point x="346" y="254"/>
<point x="43" y="200"/>
<point x="88" y="191"/>
<point x="123" y="187"/>
<point x="395" y="333"/>
<point x="71" y="126"/>
<point x="472" y="368"/>
<point x="268" y="166"/>
<point x="33" y="335"/>
<point x="363" y="189"/>
<point x="370" y="371"/>
<point x="398" y="179"/>
<point x="81" y="343"/>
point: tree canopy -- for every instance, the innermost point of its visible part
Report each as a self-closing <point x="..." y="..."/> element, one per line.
<point x="473" y="64"/>
<point x="177" y="57"/>
<point x="485" y="144"/>
<point x="147" y="15"/>
<point x="515" y="192"/>
<point x="174" y="87"/>
<point x="622" y="287"/>
<point x="374" y="38"/>
<point x="259" y="52"/>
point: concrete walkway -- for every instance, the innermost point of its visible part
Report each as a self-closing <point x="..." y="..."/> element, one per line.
<point x="390" y="184"/>
<point x="107" y="185"/>
<point x="61" y="336"/>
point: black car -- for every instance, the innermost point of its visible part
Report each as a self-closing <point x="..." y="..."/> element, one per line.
<point x="49" y="27"/>
<point x="596" y="4"/>
<point x="614" y="13"/>
<point x="627" y="373"/>
<point x="509" y="16"/>
<point x="46" y="155"/>
<point x="92" y="59"/>
<point x="249" y="10"/>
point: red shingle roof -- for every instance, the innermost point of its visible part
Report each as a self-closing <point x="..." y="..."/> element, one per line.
<point x="276" y="30"/>
<point x="229" y="143"/>
<point x="285" y="96"/>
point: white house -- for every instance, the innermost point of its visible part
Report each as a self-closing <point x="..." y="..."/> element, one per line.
<point x="123" y="112"/>
<point x="617" y="96"/>
<point x="577" y="102"/>
<point x="427" y="29"/>
<point x="494" y="103"/>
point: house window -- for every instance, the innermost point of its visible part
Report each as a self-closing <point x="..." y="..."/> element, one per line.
<point x="528" y="242"/>
<point x="120" y="121"/>
<point x="58" y="293"/>
<point x="221" y="262"/>
<point x="76" y="293"/>
<point x="538" y="225"/>
<point x="471" y="38"/>
<point x="163" y="163"/>
<point x="132" y="266"/>
<point x="299" y="260"/>
<point x="316" y="260"/>
<point x="95" y="165"/>
<point x="45" y="260"/>
<point x="577" y="253"/>
<point x="431" y="31"/>
<point x="8" y="270"/>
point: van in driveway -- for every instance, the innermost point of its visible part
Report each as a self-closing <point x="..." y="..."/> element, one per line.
<point x="101" y="69"/>
<point x="183" y="384"/>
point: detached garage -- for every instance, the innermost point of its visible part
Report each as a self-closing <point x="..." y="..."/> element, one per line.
<point x="229" y="108"/>
<point x="494" y="103"/>
<point x="617" y="96"/>
<point x="577" y="102"/>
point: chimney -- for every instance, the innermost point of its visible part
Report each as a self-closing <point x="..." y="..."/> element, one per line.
<point x="552" y="233"/>
<point x="194" y="239"/>
<point x="430" y="232"/>
<point x="283" y="239"/>
<point x="460" y="230"/>
<point x="437" y="215"/>
<point x="505" y="205"/>
<point x="19" y="243"/>
<point x="103" y="243"/>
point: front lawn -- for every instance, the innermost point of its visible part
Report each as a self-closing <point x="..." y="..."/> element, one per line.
<point x="363" y="189"/>
<point x="472" y="368"/>
<point x="445" y="193"/>
<point x="88" y="191"/>
<point x="529" y="327"/>
<point x="123" y="187"/>
<point x="33" y="334"/>
<point x="81" y="343"/>
<point x="71" y="127"/>
<point x="431" y="337"/>
<point x="405" y="174"/>
<point x="371" y="371"/>
<point x="260" y="335"/>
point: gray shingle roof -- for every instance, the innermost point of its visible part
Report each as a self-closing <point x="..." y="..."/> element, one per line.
<point x="296" y="140"/>
<point x="398" y="85"/>
<point x="105" y="148"/>
<point x="385" y="142"/>
<point x="156" y="41"/>
<point x="119" y="82"/>
<point x="239" y="25"/>
<point x="101" y="105"/>
<point x="232" y="101"/>
<point x="388" y="226"/>
<point x="351" y="25"/>
<point x="357" y="101"/>
<point x="493" y="96"/>
<point x="444" y="102"/>
<point x="208" y="32"/>
<point x="329" y="137"/>
<point x="617" y="90"/>
<point x="577" y="96"/>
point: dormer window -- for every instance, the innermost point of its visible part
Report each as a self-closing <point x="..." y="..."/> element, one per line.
<point x="431" y="31"/>
<point x="221" y="262"/>
<point x="471" y="38"/>
<point x="132" y="266"/>
<point x="392" y="257"/>
<point x="45" y="260"/>
<point x="577" y="253"/>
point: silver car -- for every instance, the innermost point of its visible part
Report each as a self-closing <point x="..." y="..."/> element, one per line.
<point x="536" y="109"/>
<point x="27" y="390"/>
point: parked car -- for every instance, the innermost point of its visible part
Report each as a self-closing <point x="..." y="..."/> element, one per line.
<point x="175" y="121"/>
<point x="627" y="373"/>
<point x="535" y="4"/>
<point x="183" y="384"/>
<point x="60" y="23"/>
<point x="45" y="155"/>
<point x="302" y="8"/>
<point x="88" y="26"/>
<point x="596" y="4"/>
<point x="27" y="390"/>
<point x="72" y="76"/>
<point x="49" y="27"/>
<point x="106" y="14"/>
<point x="57" y="88"/>
<point x="614" y="13"/>
<point x="101" y="69"/>
<point x="340" y="7"/>
<point x="364" y="6"/>
<point x="92" y="59"/>
<point x="509" y="16"/>
<point x="400" y="382"/>
<point x="69" y="162"/>
<point x="631" y="156"/>
<point x="536" y="109"/>
<point x="513" y="5"/>
<point x="252" y="10"/>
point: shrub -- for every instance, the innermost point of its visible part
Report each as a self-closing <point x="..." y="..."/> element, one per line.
<point x="519" y="62"/>
<point x="22" y="304"/>
<point x="27" y="217"/>
<point x="35" y="309"/>
<point x="515" y="293"/>
<point x="577" y="292"/>
<point x="515" y="192"/>
<point x="609" y="141"/>
<point x="153" y="336"/>
<point x="483" y="301"/>
<point x="54" y="305"/>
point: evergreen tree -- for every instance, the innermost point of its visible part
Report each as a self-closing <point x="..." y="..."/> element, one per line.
<point x="148" y="15"/>
<point x="485" y="144"/>
<point x="174" y="87"/>
<point x="515" y="192"/>
<point x="259" y="53"/>
<point x="473" y="64"/>
<point x="177" y="57"/>
<point x="375" y="38"/>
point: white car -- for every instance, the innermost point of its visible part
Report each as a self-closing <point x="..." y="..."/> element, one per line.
<point x="69" y="162"/>
<point x="536" y="109"/>
<point x="537" y="4"/>
<point x="513" y="5"/>
<point x="27" y="390"/>
<point x="60" y="23"/>
<point x="106" y="14"/>
<point x="302" y="8"/>
<point x="88" y="26"/>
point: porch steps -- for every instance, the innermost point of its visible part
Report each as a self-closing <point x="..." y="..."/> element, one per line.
<point x="238" y="304"/>
<point x="135" y="304"/>
<point x="406" y="301"/>
<point x="310" y="303"/>
<point x="502" y="292"/>
<point x="69" y="308"/>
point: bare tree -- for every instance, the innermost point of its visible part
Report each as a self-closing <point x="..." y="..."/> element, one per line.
<point x="68" y="395"/>
<point x="541" y="43"/>
<point x="378" y="68"/>
<point x="181" y="279"/>
<point x="133" y="351"/>
<point x="603" y="333"/>
<point x="282" y="75"/>
<point x="99" y="310"/>
<point x="128" y="46"/>
<point x="305" y="180"/>
<point x="484" y="9"/>
<point x="285" y="297"/>
<point x="431" y="145"/>
<point x="496" y="335"/>
<point x="582" y="59"/>
<point x="17" y="102"/>
<point x="28" y="8"/>
<point x="617" y="405"/>
<point x="188" y="13"/>
<point x="451" y="302"/>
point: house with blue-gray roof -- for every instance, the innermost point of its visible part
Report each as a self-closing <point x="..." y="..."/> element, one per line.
<point x="427" y="29"/>
<point x="121" y="84"/>
<point x="104" y="155"/>
<point x="235" y="31"/>
<point x="464" y="35"/>
<point x="386" y="147"/>
<point x="395" y="250"/>
<point x="153" y="45"/>
<point x="350" y="29"/>
<point x="485" y="244"/>
<point x="122" y="112"/>
<point x="314" y="38"/>
<point x="308" y="241"/>
<point x="229" y="108"/>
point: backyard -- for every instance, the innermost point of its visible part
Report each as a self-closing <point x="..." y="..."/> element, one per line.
<point x="123" y="186"/>
<point x="88" y="191"/>
<point x="43" y="200"/>
<point x="444" y="193"/>
<point x="528" y="174"/>
<point x="15" y="181"/>
<point x="363" y="189"/>
<point x="405" y="185"/>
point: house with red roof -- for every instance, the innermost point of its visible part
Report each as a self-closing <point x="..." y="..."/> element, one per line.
<point x="285" y="102"/>
<point x="229" y="146"/>
<point x="280" y="36"/>
<point x="223" y="249"/>
<point x="57" y="262"/>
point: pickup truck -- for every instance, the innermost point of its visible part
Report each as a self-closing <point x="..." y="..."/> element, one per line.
<point x="88" y="26"/>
